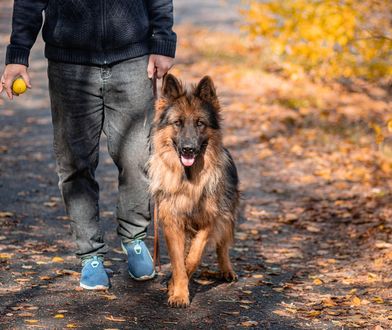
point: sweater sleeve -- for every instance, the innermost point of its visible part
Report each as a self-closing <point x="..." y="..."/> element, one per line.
<point x="26" y="23"/>
<point x="163" y="39"/>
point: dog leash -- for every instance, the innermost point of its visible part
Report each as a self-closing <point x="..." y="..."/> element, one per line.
<point x="156" y="256"/>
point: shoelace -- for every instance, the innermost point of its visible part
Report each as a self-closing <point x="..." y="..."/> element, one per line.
<point x="137" y="248"/>
<point x="94" y="261"/>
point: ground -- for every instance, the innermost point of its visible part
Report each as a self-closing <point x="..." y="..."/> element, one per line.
<point x="313" y="245"/>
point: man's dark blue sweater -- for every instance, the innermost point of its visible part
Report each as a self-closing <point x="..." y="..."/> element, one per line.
<point x="92" y="32"/>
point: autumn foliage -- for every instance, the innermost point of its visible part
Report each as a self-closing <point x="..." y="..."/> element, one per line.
<point x="329" y="38"/>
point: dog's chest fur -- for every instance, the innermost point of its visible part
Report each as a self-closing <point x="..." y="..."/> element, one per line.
<point x="189" y="197"/>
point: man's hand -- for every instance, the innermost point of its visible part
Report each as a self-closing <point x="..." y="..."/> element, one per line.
<point x="160" y="63"/>
<point x="11" y="72"/>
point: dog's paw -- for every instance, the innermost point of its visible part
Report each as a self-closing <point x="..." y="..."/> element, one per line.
<point x="229" y="276"/>
<point x="178" y="301"/>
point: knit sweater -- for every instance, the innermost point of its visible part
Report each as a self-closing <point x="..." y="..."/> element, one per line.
<point x="92" y="32"/>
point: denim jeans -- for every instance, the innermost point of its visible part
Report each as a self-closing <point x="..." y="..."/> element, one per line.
<point x="86" y="100"/>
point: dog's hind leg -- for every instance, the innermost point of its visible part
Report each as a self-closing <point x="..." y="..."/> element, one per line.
<point x="225" y="266"/>
<point x="178" y="285"/>
<point x="196" y="251"/>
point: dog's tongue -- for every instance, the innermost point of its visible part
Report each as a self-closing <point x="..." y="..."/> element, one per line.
<point x="187" y="160"/>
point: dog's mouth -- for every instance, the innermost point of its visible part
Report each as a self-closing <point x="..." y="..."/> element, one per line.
<point x="187" y="159"/>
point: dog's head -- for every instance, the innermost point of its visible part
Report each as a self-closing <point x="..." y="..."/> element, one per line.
<point x="189" y="117"/>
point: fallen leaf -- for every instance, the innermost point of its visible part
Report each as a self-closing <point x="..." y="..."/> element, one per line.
<point x="6" y="255"/>
<point x="27" y="267"/>
<point x="290" y="218"/>
<point x="67" y="272"/>
<point x="317" y="281"/>
<point x="71" y="325"/>
<point x="313" y="313"/>
<point x="115" y="319"/>
<point x="249" y="324"/>
<point x="328" y="302"/>
<point x="6" y="214"/>
<point x="40" y="262"/>
<point x="377" y="300"/>
<point x="244" y="306"/>
<point x="231" y="313"/>
<point x="25" y="314"/>
<point x="109" y="296"/>
<point x="22" y="280"/>
<point x="203" y="281"/>
<point x="50" y="204"/>
<point x="57" y="259"/>
<point x="59" y="316"/>
<point x="389" y="125"/>
<point x="31" y="321"/>
<point x="45" y="278"/>
<point x="356" y="301"/>
<point x="246" y="301"/>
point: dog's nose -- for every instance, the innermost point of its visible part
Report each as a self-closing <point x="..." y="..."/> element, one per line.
<point x="188" y="150"/>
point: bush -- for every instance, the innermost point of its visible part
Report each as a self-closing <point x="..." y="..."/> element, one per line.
<point x="326" y="38"/>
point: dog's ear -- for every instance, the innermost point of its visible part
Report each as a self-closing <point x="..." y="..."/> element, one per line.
<point x="171" y="87"/>
<point x="206" y="91"/>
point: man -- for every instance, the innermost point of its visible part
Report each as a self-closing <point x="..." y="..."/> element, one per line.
<point x="101" y="55"/>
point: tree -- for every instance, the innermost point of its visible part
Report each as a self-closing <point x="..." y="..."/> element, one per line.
<point x="330" y="38"/>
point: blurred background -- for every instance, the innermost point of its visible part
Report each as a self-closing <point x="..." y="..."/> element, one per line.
<point x="305" y="87"/>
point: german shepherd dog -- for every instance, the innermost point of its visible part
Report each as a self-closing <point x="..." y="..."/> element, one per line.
<point x="193" y="180"/>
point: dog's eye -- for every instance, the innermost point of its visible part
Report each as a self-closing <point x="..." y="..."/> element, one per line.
<point x="199" y="123"/>
<point x="178" y="123"/>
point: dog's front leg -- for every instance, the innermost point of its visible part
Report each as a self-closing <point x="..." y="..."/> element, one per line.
<point x="196" y="251"/>
<point x="178" y="286"/>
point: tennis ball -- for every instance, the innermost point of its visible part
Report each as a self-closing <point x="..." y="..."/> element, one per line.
<point x="19" y="86"/>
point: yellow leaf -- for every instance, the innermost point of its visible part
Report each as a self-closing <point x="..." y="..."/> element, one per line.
<point x="6" y="255"/>
<point x="329" y="303"/>
<point x="378" y="300"/>
<point x="389" y="125"/>
<point x="314" y="313"/>
<point x="317" y="281"/>
<point x="31" y="321"/>
<point x="356" y="301"/>
<point x="57" y="259"/>
<point x="71" y="325"/>
<point x="59" y="316"/>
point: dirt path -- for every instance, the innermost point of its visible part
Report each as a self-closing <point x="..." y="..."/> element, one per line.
<point x="313" y="248"/>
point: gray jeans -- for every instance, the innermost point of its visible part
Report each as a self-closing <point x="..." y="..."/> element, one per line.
<point x="85" y="101"/>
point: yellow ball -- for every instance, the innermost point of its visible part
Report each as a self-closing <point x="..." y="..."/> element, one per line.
<point x="19" y="86"/>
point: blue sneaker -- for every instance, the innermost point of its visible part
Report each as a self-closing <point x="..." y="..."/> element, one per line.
<point x="140" y="263"/>
<point x="94" y="276"/>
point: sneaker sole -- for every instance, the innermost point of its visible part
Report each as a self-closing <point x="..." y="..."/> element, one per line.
<point x="140" y="279"/>
<point x="97" y="287"/>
